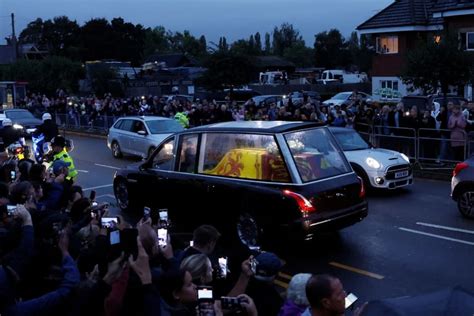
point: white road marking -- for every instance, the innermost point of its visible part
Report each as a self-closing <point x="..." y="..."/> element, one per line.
<point x="83" y="171"/>
<point x="454" y="229"/>
<point x="107" y="166"/>
<point x="98" y="187"/>
<point x="437" y="236"/>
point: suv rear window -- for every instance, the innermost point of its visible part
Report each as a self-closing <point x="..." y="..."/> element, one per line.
<point x="316" y="155"/>
<point x="245" y="156"/>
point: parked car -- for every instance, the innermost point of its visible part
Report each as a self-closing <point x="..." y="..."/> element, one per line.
<point x="462" y="187"/>
<point x="266" y="100"/>
<point x="252" y="179"/>
<point x="22" y="119"/>
<point x="347" y="97"/>
<point x="298" y="97"/>
<point x="139" y="135"/>
<point x="379" y="168"/>
<point x="423" y="102"/>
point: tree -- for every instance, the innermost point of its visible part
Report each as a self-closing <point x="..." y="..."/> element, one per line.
<point x="156" y="41"/>
<point x="223" y="47"/>
<point x="435" y="65"/>
<point x="128" y="41"/>
<point x="268" y="45"/>
<point x="96" y="41"/>
<point x="203" y="42"/>
<point x="330" y="51"/>
<point x="186" y="43"/>
<point x="285" y="37"/>
<point x="227" y="69"/>
<point x="258" y="43"/>
<point x="300" y="55"/>
<point x="47" y="75"/>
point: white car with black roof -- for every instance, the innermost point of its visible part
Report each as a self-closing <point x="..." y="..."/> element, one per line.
<point x="378" y="167"/>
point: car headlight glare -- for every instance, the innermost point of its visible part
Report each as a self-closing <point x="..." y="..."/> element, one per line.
<point x="17" y="126"/>
<point x="372" y="163"/>
<point x="405" y="157"/>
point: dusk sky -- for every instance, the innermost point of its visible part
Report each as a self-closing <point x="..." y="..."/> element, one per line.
<point x="234" y="19"/>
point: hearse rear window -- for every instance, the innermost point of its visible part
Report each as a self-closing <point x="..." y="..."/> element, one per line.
<point x="316" y="155"/>
<point x="245" y="156"/>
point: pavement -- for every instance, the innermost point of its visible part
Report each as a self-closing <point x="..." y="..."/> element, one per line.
<point x="413" y="241"/>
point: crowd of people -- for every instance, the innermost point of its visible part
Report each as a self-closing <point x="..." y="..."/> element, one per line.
<point x="443" y="128"/>
<point x="62" y="253"/>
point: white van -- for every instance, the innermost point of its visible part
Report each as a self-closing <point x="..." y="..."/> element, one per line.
<point x="342" y="76"/>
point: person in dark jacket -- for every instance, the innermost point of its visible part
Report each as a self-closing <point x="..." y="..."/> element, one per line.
<point x="49" y="128"/>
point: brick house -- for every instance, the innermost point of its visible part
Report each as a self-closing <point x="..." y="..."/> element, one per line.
<point x="396" y="30"/>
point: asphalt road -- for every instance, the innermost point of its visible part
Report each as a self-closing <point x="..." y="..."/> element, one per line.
<point x="413" y="241"/>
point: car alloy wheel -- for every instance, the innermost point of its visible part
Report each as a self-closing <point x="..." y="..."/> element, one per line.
<point x="466" y="204"/>
<point x="121" y="194"/>
<point x="247" y="230"/>
<point x="116" y="152"/>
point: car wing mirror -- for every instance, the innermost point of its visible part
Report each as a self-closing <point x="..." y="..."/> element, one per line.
<point x="143" y="133"/>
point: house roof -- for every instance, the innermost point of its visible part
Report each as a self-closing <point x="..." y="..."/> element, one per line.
<point x="414" y="13"/>
<point x="403" y="13"/>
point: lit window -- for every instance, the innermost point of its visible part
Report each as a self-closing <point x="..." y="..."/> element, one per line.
<point x="387" y="45"/>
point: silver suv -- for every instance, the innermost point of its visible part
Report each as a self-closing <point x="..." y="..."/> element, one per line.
<point x="139" y="135"/>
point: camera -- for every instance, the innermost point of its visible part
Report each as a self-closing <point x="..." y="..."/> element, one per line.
<point x="232" y="304"/>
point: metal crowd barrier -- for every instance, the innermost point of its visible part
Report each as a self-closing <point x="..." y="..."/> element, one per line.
<point x="423" y="145"/>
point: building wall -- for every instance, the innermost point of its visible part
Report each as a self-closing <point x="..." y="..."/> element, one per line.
<point x="387" y="95"/>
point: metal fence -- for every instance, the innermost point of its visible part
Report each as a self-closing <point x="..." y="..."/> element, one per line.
<point x="100" y="123"/>
<point x="422" y="145"/>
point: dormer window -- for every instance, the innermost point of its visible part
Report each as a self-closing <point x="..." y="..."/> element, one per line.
<point x="387" y="44"/>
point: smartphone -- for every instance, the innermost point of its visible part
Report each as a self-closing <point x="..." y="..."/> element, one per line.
<point x="11" y="210"/>
<point x="205" y="301"/>
<point x="146" y="212"/>
<point x="92" y="195"/>
<point x="109" y="222"/>
<point x="222" y="272"/>
<point x="233" y="304"/>
<point x="162" y="237"/>
<point x="253" y="265"/>
<point x="191" y="243"/>
<point x="128" y="240"/>
<point x="350" y="300"/>
<point x="163" y="217"/>
<point x="114" y="237"/>
<point x="13" y="175"/>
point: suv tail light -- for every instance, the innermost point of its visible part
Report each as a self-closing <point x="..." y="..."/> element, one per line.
<point x="304" y="205"/>
<point x="362" y="188"/>
<point x="459" y="167"/>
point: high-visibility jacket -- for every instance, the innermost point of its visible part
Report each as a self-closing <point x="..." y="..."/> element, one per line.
<point x="64" y="156"/>
<point x="182" y="119"/>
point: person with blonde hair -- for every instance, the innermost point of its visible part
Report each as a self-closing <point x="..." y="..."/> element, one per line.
<point x="296" y="301"/>
<point x="200" y="268"/>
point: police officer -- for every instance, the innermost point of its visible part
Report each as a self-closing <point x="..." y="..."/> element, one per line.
<point x="9" y="134"/>
<point x="58" y="143"/>
<point x="49" y="128"/>
<point x="182" y="117"/>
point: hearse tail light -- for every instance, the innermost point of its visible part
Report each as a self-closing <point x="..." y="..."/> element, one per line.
<point x="362" y="188"/>
<point x="459" y="167"/>
<point x="304" y="205"/>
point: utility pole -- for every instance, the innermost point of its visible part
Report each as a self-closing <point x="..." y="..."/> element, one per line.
<point x="14" y="41"/>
